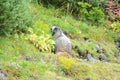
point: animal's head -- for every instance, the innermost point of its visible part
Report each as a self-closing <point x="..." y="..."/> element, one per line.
<point x="56" y="31"/>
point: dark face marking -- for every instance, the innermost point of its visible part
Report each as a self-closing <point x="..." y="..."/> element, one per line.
<point x="54" y="30"/>
<point x="53" y="33"/>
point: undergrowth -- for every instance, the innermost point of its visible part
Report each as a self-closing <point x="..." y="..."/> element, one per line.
<point x="20" y="60"/>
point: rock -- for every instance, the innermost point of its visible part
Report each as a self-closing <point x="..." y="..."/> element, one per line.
<point x="3" y="76"/>
<point x="85" y="38"/>
<point x="80" y="54"/>
<point x="103" y="58"/>
<point x="86" y="55"/>
<point x="117" y="43"/>
<point x="87" y="79"/>
<point x="15" y="65"/>
<point x="90" y="58"/>
<point x="99" y="48"/>
<point x="117" y="55"/>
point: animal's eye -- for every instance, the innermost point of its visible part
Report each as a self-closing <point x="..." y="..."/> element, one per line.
<point x="55" y="28"/>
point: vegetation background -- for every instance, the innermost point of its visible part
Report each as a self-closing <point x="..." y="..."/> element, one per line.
<point x="26" y="43"/>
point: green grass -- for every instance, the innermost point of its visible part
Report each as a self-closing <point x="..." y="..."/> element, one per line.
<point x="21" y="60"/>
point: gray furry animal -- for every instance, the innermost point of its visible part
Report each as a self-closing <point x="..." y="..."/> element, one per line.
<point x="62" y="42"/>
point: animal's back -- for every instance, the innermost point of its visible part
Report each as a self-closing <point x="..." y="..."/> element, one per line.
<point x="63" y="44"/>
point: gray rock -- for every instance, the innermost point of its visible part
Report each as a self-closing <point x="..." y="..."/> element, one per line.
<point x="90" y="58"/>
<point x="15" y="65"/>
<point x="103" y="58"/>
<point x="3" y="76"/>
<point x="117" y="43"/>
<point x="117" y="55"/>
<point x="99" y="48"/>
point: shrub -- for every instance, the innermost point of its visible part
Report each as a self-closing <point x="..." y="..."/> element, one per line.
<point x="96" y="16"/>
<point x="66" y="63"/>
<point x="75" y="69"/>
<point x="39" y="36"/>
<point x="116" y="26"/>
<point x="14" y="16"/>
<point x="43" y="42"/>
<point x="83" y="10"/>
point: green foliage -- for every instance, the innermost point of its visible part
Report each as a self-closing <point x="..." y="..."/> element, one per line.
<point x="83" y="70"/>
<point x="15" y="16"/>
<point x="66" y="63"/>
<point x="97" y="3"/>
<point x="83" y="10"/>
<point x="39" y="36"/>
<point x="116" y="26"/>
<point x="96" y="16"/>
<point x="43" y="43"/>
<point x="57" y="3"/>
<point x="83" y="46"/>
<point x="74" y="69"/>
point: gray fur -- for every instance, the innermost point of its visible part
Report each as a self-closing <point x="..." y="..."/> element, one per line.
<point x="62" y="42"/>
